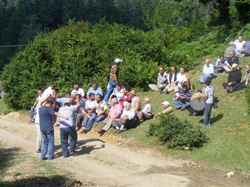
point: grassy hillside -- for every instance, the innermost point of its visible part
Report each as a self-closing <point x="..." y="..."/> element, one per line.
<point x="229" y="135"/>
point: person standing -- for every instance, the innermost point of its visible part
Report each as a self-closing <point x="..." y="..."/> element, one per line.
<point x="208" y="95"/>
<point x="33" y="108"/>
<point x="68" y="128"/>
<point x="47" y="129"/>
<point x="113" y="78"/>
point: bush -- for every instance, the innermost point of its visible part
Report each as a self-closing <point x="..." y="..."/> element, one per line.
<point x="177" y="134"/>
<point x="81" y="53"/>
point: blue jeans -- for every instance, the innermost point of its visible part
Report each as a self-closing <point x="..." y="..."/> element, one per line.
<point x="100" y="118"/>
<point x="32" y="112"/>
<point x="207" y="113"/>
<point x="216" y="69"/>
<point x="65" y="133"/>
<point x="204" y="78"/>
<point x="93" y="119"/>
<point x="112" y="85"/>
<point x="48" y="145"/>
<point x="180" y="103"/>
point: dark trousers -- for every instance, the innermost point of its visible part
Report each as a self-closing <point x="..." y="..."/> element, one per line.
<point x="239" y="86"/>
<point x="225" y="84"/>
<point x="65" y="133"/>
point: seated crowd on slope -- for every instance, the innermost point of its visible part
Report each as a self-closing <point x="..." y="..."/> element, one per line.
<point x="121" y="108"/>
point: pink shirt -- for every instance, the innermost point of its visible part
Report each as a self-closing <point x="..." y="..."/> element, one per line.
<point x="116" y="109"/>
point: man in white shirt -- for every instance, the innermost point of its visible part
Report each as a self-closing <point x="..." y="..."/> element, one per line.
<point x="49" y="91"/>
<point x="77" y="90"/>
<point x="181" y="79"/>
<point x="161" y="80"/>
<point x="146" y="113"/>
<point x="208" y="71"/>
<point x="239" y="46"/>
<point x="128" y="119"/>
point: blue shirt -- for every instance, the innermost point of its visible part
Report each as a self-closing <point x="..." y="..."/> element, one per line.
<point x="45" y="116"/>
<point x="63" y="100"/>
<point x="220" y="63"/>
<point x="98" y="90"/>
<point x="187" y="94"/>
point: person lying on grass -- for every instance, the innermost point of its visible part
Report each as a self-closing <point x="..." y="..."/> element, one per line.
<point x="167" y="109"/>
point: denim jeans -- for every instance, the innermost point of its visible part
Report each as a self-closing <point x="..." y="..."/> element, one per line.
<point x="48" y="144"/>
<point x="180" y="103"/>
<point x="65" y="134"/>
<point x="207" y="113"/>
<point x="112" y="85"/>
<point x="100" y="118"/>
<point x="204" y="78"/>
<point x="94" y="118"/>
<point x="32" y="112"/>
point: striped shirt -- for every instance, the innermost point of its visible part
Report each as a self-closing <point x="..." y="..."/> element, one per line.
<point x="113" y="72"/>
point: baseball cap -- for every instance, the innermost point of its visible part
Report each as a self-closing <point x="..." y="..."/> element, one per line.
<point x="166" y="103"/>
<point x="117" y="60"/>
<point x="234" y="65"/>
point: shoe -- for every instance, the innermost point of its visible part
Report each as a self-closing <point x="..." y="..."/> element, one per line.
<point x="192" y="114"/>
<point x="84" y="131"/>
<point x="38" y="151"/>
<point x="101" y="132"/>
<point x="230" y="90"/>
<point x="167" y="92"/>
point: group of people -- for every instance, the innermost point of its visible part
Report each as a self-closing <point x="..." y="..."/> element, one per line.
<point x="121" y="108"/>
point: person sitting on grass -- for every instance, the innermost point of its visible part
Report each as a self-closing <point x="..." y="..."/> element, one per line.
<point x="229" y="49"/>
<point x="246" y="51"/>
<point x="95" y="90"/>
<point x="233" y="60"/>
<point x="233" y="78"/>
<point x="126" y="97"/>
<point x="128" y="119"/>
<point x="77" y="90"/>
<point x="146" y="112"/>
<point x="114" y="113"/>
<point x="239" y="46"/>
<point x="244" y="83"/>
<point x="135" y="101"/>
<point x="182" y="98"/>
<point x="221" y="65"/>
<point x="68" y="128"/>
<point x="100" y="113"/>
<point x="47" y="130"/>
<point x="167" y="109"/>
<point x="172" y="81"/>
<point x="208" y="71"/>
<point x="88" y="112"/>
<point x="161" y="80"/>
<point x="118" y="93"/>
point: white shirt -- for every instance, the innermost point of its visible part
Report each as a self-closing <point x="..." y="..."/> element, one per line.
<point x="118" y="94"/>
<point x="67" y="112"/>
<point x="129" y="113"/>
<point x="208" y="69"/>
<point x="79" y="91"/>
<point x="100" y="107"/>
<point x="147" y="110"/>
<point x="239" y="46"/>
<point x="181" y="78"/>
<point x="47" y="92"/>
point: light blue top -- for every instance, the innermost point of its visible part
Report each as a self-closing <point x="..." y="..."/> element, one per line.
<point x="98" y="90"/>
<point x="210" y="94"/>
<point x="220" y="63"/>
<point x="63" y="100"/>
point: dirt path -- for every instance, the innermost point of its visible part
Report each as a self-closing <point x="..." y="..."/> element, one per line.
<point x="102" y="162"/>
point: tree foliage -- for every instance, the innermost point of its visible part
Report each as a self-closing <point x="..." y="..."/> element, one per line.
<point x="81" y="53"/>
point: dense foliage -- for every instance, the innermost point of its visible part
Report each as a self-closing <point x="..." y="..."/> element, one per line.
<point x="81" y="53"/>
<point x="177" y="134"/>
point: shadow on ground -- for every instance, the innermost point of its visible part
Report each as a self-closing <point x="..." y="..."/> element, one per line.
<point x="54" y="181"/>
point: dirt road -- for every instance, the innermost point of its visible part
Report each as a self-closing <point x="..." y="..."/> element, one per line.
<point x="107" y="163"/>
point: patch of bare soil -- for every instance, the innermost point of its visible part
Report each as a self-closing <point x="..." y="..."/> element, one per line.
<point x="105" y="162"/>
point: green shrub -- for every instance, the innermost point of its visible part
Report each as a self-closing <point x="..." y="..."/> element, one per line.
<point x="81" y="53"/>
<point x="177" y="134"/>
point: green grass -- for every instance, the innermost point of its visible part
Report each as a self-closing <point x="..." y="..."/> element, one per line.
<point x="4" y="108"/>
<point x="229" y="136"/>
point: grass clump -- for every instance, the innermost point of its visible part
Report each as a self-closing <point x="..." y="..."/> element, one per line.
<point x="177" y="134"/>
<point x="248" y="98"/>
